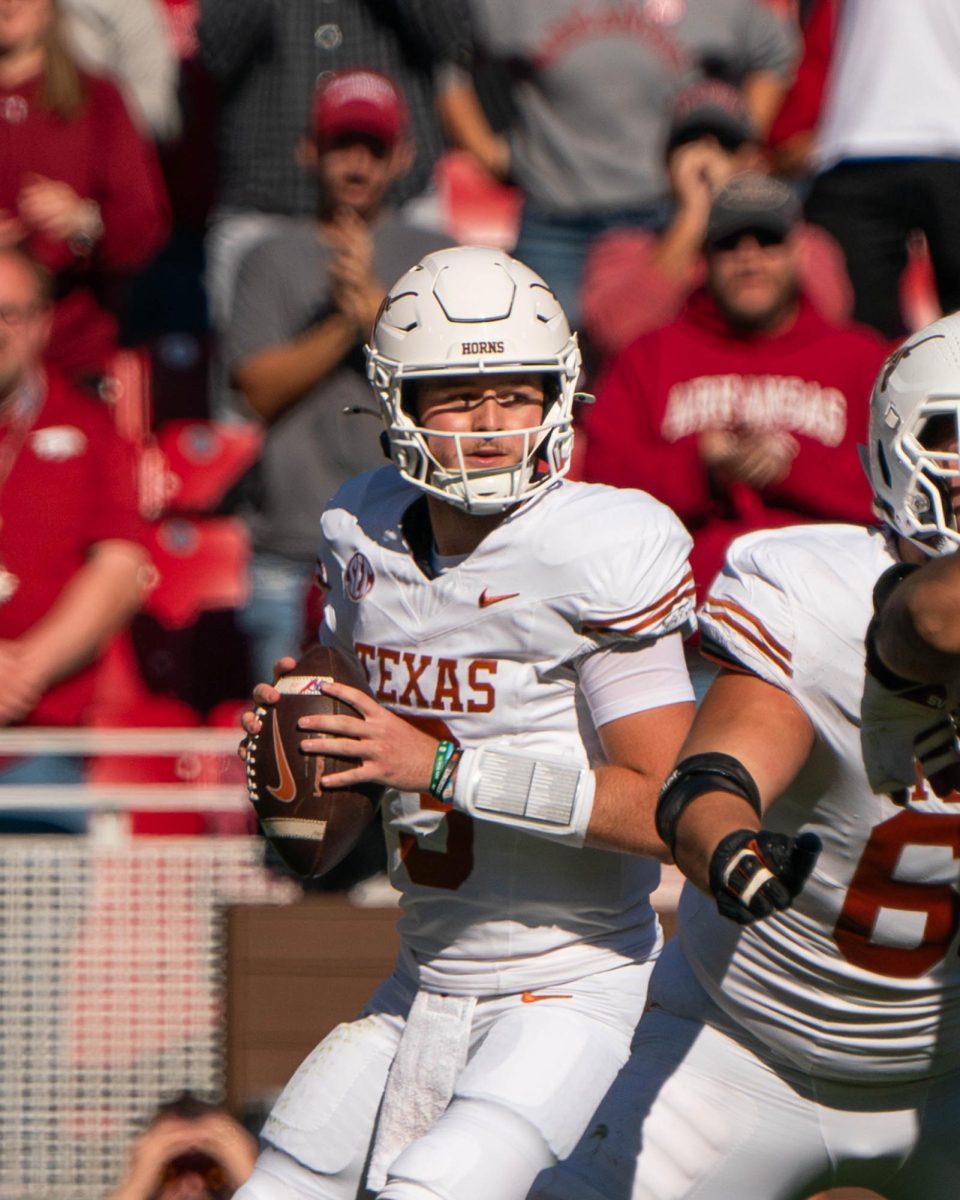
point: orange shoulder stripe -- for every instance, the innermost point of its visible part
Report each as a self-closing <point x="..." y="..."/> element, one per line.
<point x="735" y="618"/>
<point x="663" y="602"/>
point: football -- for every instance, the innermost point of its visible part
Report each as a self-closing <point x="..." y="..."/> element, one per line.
<point x="311" y="828"/>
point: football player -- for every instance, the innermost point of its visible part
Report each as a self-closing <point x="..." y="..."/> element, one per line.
<point x="804" y="1029"/>
<point x="522" y="639"/>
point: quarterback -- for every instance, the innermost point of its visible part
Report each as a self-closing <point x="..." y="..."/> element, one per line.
<point x="521" y="635"/>
<point x="804" y="1032"/>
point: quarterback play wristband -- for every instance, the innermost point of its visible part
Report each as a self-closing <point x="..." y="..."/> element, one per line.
<point x="546" y="796"/>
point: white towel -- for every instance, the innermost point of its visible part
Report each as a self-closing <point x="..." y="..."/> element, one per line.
<point x="432" y="1053"/>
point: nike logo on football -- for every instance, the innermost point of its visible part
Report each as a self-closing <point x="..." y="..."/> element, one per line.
<point x="286" y="789"/>
<point x="486" y="600"/>
<point x="533" y="997"/>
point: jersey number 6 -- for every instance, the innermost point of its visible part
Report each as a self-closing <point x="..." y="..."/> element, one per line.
<point x="874" y="888"/>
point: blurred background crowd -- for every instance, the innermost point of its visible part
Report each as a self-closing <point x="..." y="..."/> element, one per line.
<point x="742" y="204"/>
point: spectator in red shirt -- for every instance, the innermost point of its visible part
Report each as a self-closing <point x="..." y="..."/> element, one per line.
<point x="80" y="188"/>
<point x="743" y="412"/>
<point x="636" y="279"/>
<point x="72" y="565"/>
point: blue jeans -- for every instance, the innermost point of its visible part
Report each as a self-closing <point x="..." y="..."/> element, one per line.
<point x="51" y="769"/>
<point x="273" y="620"/>
<point x="555" y="245"/>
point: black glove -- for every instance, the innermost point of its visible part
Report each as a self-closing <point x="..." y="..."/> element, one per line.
<point x="755" y="873"/>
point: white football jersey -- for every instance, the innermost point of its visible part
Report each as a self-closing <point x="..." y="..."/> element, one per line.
<point x="861" y="978"/>
<point x="489" y="650"/>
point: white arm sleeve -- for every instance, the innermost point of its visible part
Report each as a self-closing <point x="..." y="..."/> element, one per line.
<point x="630" y="679"/>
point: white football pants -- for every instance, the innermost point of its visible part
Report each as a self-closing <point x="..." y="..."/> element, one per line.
<point x="695" y="1115"/>
<point x="538" y="1065"/>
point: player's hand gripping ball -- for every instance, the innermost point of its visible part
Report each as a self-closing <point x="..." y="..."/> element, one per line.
<point x="312" y="828"/>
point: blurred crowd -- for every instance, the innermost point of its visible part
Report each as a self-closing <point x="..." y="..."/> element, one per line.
<point x="741" y="204"/>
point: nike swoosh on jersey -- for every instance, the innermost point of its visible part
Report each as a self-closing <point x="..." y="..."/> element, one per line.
<point x="533" y="997"/>
<point x="485" y="600"/>
<point x="286" y="789"/>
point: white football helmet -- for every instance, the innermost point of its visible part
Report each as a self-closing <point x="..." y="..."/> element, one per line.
<point x="914" y="417"/>
<point x="465" y="311"/>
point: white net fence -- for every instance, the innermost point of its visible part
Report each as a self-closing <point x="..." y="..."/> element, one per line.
<point x="112" y="991"/>
<point x="113" y="958"/>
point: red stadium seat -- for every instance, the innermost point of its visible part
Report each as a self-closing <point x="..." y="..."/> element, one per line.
<point x="125" y="702"/>
<point x="476" y="209"/>
<point x="201" y="565"/>
<point x="203" y="459"/>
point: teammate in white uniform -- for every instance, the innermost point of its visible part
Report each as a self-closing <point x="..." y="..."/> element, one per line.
<point x="818" y="1046"/>
<point x="522" y="638"/>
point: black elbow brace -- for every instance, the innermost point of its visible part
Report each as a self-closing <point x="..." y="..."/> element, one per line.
<point x="695" y="776"/>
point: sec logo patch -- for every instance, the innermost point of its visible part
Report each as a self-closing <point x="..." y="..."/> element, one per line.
<point x="358" y="578"/>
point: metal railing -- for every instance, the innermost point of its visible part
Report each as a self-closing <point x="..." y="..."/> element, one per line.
<point x="112" y="960"/>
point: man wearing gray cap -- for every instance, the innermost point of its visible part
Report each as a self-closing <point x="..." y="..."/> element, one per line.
<point x="735" y="414"/>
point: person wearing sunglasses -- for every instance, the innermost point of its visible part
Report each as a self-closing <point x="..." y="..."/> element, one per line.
<point x="743" y="412"/>
<point x="636" y="279"/>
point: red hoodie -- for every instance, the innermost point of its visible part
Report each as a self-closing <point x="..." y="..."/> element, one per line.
<point x="812" y="379"/>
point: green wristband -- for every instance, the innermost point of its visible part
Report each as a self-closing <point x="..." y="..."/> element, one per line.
<point x="444" y="750"/>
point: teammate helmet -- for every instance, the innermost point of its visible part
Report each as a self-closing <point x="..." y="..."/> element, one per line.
<point x="914" y="425"/>
<point x="467" y="311"/>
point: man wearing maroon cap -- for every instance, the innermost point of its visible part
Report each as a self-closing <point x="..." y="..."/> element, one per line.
<point x="304" y="305"/>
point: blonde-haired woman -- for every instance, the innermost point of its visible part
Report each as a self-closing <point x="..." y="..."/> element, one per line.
<point x="79" y="187"/>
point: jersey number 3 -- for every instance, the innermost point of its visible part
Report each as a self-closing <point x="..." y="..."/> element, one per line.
<point x="446" y="868"/>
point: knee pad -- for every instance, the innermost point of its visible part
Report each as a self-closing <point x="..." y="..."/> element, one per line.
<point x="325" y="1115"/>
<point x="477" y="1150"/>
<point x="403" y="1189"/>
<point x="277" y="1176"/>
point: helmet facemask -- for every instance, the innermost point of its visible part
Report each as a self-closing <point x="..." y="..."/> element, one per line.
<point x="478" y="313"/>
<point x="925" y="448"/>
<point x="545" y="453"/>
<point x="911" y="454"/>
